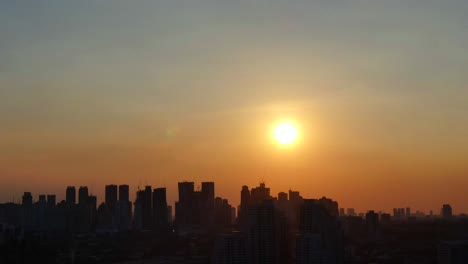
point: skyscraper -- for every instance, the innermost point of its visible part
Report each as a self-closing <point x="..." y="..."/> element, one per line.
<point x="124" y="193"/>
<point x="83" y="195"/>
<point x="147" y="209"/>
<point x="51" y="200"/>
<point x="230" y="249"/>
<point x="27" y="199"/>
<point x="124" y="208"/>
<point x="71" y="195"/>
<point x="244" y="206"/>
<point x="111" y="197"/>
<point x="208" y="193"/>
<point x="320" y="237"/>
<point x="282" y="197"/>
<point x="372" y="221"/>
<point x="160" y="209"/>
<point x="186" y="190"/>
<point x="42" y="199"/>
<point x="446" y="211"/>
<point x="259" y="194"/>
<point x="263" y="234"/>
<point x="183" y="207"/>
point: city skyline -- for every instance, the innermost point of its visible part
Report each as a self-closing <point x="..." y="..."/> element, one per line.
<point x="132" y="196"/>
<point x="97" y="92"/>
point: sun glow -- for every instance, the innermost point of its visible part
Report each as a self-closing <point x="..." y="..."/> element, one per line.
<point x="285" y="133"/>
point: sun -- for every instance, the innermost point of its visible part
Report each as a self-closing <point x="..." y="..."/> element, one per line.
<point x="285" y="133"/>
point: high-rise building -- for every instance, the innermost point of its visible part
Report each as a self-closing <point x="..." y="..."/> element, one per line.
<point x="230" y="249"/>
<point x="317" y="222"/>
<point x="124" y="191"/>
<point x="42" y="199"/>
<point x="342" y="212"/>
<point x="259" y="194"/>
<point x="263" y="234"/>
<point x="71" y="195"/>
<point x="92" y="207"/>
<point x="282" y="197"/>
<point x="27" y="199"/>
<point x="111" y="197"/>
<point x="169" y="214"/>
<point x="186" y="190"/>
<point x="244" y="206"/>
<point x="372" y="221"/>
<point x="452" y="252"/>
<point x="147" y="209"/>
<point x="138" y="213"/>
<point x="309" y="248"/>
<point x="408" y="212"/>
<point x="385" y="218"/>
<point x="446" y="211"/>
<point x="351" y="212"/>
<point x="295" y="197"/>
<point x="233" y="215"/>
<point x="208" y="193"/>
<point x="330" y="205"/>
<point x="123" y="212"/>
<point x="160" y="209"/>
<point x="184" y="207"/>
<point x="51" y="201"/>
<point x="83" y="195"/>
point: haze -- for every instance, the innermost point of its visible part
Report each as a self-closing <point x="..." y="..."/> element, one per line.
<point x="156" y="92"/>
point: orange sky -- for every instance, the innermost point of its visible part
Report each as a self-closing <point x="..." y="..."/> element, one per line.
<point x="164" y="91"/>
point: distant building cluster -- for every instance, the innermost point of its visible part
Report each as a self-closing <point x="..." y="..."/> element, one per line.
<point x="275" y="230"/>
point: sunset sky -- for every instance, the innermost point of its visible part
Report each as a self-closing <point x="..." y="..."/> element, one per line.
<point x="156" y="92"/>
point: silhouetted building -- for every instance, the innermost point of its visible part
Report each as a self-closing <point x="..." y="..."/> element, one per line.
<point x="71" y="195"/>
<point x="92" y="209"/>
<point x="320" y="238"/>
<point x="124" y="191"/>
<point x="259" y="194"/>
<point x="264" y="233"/>
<point x="123" y="209"/>
<point x="446" y="211"/>
<point x="160" y="209"/>
<point x="244" y="206"/>
<point x="42" y="199"/>
<point x="330" y="205"/>
<point x="452" y="252"/>
<point x="230" y="249"/>
<point x="208" y="193"/>
<point x="282" y="197"/>
<point x="342" y="212"/>
<point x="111" y="197"/>
<point x="351" y="212"/>
<point x="51" y="201"/>
<point x="27" y="199"/>
<point x="138" y="212"/>
<point x="169" y="214"/>
<point x="186" y="190"/>
<point x="196" y="209"/>
<point x="222" y="212"/>
<point x="83" y="195"/>
<point x="385" y="218"/>
<point x="183" y="207"/>
<point x="147" y="209"/>
<point x="372" y="221"/>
